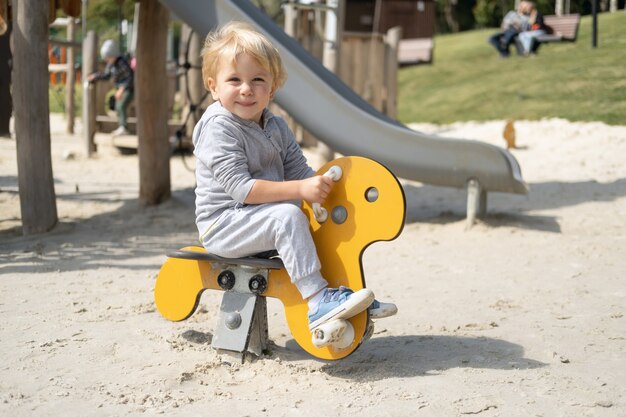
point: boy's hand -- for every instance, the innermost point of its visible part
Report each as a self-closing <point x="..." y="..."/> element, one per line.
<point x="316" y="189"/>
<point x="118" y="93"/>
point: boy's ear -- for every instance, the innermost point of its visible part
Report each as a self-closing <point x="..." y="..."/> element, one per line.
<point x="212" y="88"/>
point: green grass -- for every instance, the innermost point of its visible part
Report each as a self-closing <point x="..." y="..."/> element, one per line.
<point x="469" y="81"/>
<point x="56" y="98"/>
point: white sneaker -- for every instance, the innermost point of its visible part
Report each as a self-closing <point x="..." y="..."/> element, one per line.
<point x="339" y="303"/>
<point x="120" y="131"/>
<point x="380" y="310"/>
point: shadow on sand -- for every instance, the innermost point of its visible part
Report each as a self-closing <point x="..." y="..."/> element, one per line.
<point x="121" y="236"/>
<point x="407" y="356"/>
<point x="441" y="205"/>
<point x="404" y="356"/>
<point x="131" y="231"/>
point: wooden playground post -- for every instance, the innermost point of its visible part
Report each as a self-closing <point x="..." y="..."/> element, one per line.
<point x="370" y="67"/>
<point x="334" y="34"/>
<point x="151" y="98"/>
<point x="70" y="79"/>
<point x="332" y="52"/>
<point x="90" y="48"/>
<point x="5" y="78"/>
<point x="32" y="118"/>
<point x="392" y="42"/>
<point x="290" y="19"/>
<point x="334" y="11"/>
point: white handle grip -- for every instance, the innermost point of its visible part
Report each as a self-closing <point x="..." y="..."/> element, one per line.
<point x="321" y="214"/>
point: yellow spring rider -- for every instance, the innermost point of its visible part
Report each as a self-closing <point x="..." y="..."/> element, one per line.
<point x="366" y="205"/>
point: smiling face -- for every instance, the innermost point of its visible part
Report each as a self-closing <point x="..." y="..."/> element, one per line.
<point x="243" y="87"/>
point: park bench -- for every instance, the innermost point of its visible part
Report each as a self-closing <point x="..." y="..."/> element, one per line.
<point x="560" y="28"/>
<point x="415" y="51"/>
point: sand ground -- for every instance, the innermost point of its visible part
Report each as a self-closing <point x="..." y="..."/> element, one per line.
<point x="521" y="315"/>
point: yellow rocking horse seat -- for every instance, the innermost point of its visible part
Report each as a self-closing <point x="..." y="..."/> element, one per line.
<point x="366" y="205"/>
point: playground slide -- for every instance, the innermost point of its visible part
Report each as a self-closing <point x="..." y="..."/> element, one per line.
<point x="329" y="109"/>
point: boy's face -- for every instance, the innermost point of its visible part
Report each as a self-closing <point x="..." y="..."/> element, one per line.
<point x="244" y="89"/>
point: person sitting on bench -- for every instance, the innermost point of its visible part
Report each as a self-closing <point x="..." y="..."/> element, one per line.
<point x="537" y="27"/>
<point x="514" y="22"/>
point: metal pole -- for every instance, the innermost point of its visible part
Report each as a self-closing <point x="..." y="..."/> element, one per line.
<point x="594" y="26"/>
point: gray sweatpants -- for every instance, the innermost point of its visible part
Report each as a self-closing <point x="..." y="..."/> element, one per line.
<point x="252" y="229"/>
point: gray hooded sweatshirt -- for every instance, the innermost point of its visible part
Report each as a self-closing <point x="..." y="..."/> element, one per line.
<point x="232" y="153"/>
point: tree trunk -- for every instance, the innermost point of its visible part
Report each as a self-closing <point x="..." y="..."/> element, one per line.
<point x="32" y="120"/>
<point x="151" y="103"/>
<point x="89" y="65"/>
<point x="5" y="82"/>
<point x="450" y="13"/>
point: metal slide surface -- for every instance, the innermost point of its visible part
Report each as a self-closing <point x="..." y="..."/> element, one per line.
<point x="333" y="112"/>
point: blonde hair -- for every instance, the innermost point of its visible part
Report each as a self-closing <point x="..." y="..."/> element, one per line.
<point x="236" y="38"/>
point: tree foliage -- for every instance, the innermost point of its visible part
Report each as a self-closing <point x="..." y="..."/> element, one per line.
<point x="455" y="15"/>
<point x="104" y="16"/>
<point x="272" y="8"/>
<point x="452" y="15"/>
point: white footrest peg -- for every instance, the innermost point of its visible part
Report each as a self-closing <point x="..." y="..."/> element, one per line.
<point x="338" y="334"/>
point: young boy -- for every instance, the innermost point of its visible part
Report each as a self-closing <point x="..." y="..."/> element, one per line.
<point x="122" y="74"/>
<point x="251" y="175"/>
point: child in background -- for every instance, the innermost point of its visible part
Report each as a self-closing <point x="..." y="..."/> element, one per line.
<point x="120" y="71"/>
<point x="251" y="174"/>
